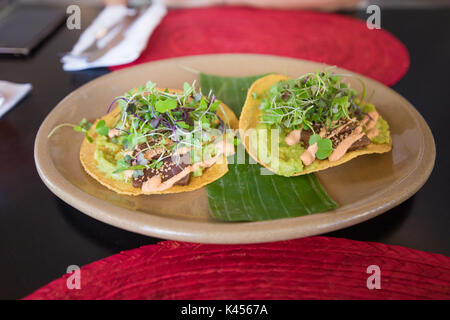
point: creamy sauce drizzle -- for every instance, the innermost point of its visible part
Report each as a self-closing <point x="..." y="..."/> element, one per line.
<point x="372" y="133"/>
<point x="337" y="130"/>
<point x="154" y="184"/>
<point x="345" y="144"/>
<point x="151" y="153"/>
<point x="128" y="174"/>
<point x="369" y="121"/>
<point x="309" y="155"/>
<point x="293" y="137"/>
<point x="113" y="133"/>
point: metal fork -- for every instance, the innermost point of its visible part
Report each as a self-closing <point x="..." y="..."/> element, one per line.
<point x="93" y="52"/>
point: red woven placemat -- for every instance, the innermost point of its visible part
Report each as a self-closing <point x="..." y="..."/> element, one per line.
<point x="309" y="268"/>
<point x="330" y="38"/>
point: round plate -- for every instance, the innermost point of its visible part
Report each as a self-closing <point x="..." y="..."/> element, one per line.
<point x="364" y="187"/>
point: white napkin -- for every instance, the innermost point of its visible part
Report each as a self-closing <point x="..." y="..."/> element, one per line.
<point x="12" y="93"/>
<point x="135" y="38"/>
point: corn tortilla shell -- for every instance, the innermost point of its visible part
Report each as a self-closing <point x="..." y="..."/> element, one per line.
<point x="89" y="163"/>
<point x="250" y="119"/>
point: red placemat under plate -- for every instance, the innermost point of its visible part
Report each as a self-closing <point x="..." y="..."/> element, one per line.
<point x="329" y="38"/>
<point x="308" y="268"/>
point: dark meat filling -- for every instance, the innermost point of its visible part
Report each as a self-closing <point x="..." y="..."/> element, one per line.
<point x="168" y="170"/>
<point x="151" y="141"/>
<point x="306" y="134"/>
<point x="361" y="143"/>
<point x="341" y="135"/>
<point x="344" y="133"/>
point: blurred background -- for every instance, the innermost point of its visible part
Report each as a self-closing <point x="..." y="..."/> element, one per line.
<point x="364" y="3"/>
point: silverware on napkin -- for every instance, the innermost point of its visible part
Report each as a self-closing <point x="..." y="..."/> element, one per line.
<point x="94" y="52"/>
<point x="123" y="27"/>
<point x="103" y="45"/>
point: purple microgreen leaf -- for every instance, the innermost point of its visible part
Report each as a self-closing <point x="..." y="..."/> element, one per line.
<point x="114" y="101"/>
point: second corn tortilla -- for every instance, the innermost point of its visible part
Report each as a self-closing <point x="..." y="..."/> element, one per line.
<point x="89" y="163"/>
<point x="250" y="118"/>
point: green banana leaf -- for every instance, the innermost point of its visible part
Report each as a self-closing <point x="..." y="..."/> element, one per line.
<point x="244" y="194"/>
<point x="232" y="91"/>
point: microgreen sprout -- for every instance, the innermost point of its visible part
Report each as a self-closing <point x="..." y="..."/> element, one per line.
<point x="171" y="120"/>
<point x="101" y="128"/>
<point x="314" y="98"/>
<point x="83" y="126"/>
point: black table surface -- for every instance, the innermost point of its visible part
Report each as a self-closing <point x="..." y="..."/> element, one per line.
<point x="40" y="235"/>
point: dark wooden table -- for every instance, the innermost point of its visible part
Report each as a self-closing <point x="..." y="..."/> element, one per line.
<point x="40" y="235"/>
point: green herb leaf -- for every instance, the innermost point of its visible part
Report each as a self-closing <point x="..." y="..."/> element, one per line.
<point x="314" y="138"/>
<point x="156" y="164"/>
<point x="183" y="124"/>
<point x="84" y="124"/>
<point x="138" y="173"/>
<point x="214" y="106"/>
<point x="122" y="166"/>
<point x="165" y="105"/>
<point x="341" y="101"/>
<point x="325" y="147"/>
<point x="186" y="87"/>
<point x="101" y="128"/>
<point x="317" y="98"/>
<point x="88" y="137"/>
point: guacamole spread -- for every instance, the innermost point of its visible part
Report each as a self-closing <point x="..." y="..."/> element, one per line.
<point x="381" y="125"/>
<point x="289" y="160"/>
<point x="107" y="154"/>
<point x="288" y="156"/>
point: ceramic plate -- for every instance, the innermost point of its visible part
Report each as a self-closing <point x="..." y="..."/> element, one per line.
<point x="364" y="187"/>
